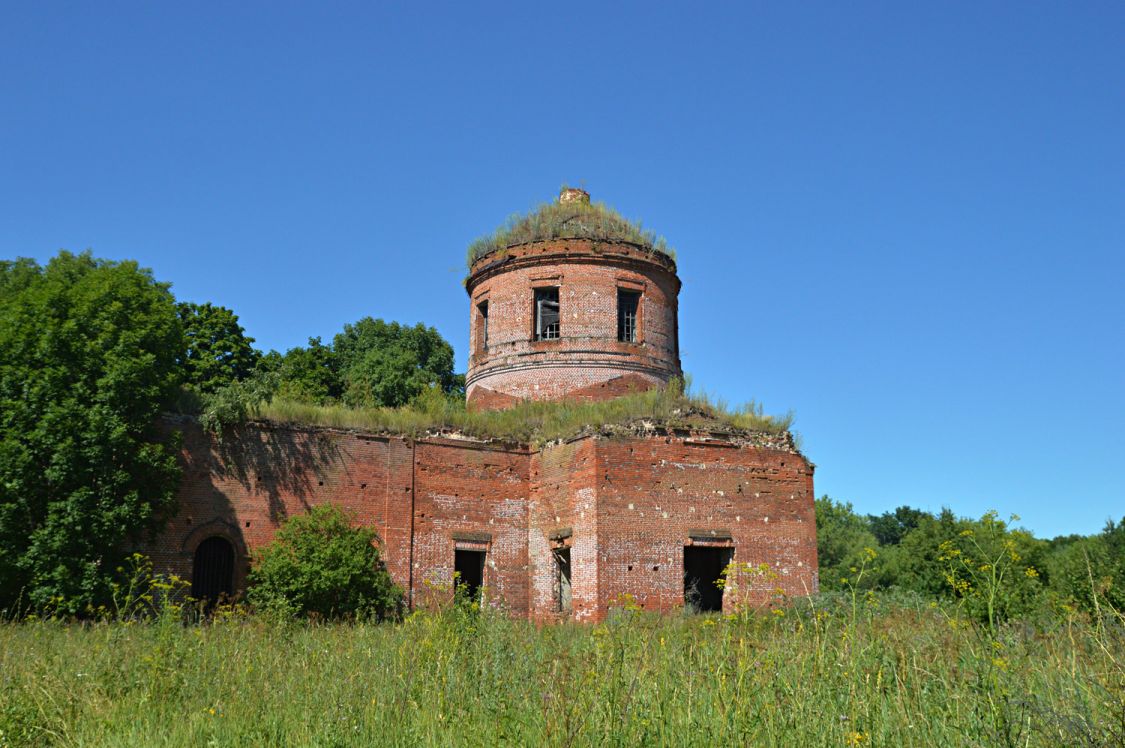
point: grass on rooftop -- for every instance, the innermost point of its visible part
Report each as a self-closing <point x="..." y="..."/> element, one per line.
<point x="534" y="423"/>
<point x="574" y="220"/>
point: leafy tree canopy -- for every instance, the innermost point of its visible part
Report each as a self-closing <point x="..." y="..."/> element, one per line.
<point x="218" y="351"/>
<point x="994" y="570"/>
<point x="320" y="564"/>
<point x="308" y="375"/>
<point x="890" y="528"/>
<point x="1087" y="568"/>
<point x="88" y="356"/>
<point x="842" y="537"/>
<point x="388" y="364"/>
<point x="370" y="364"/>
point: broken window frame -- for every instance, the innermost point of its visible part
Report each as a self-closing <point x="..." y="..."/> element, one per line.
<point x="628" y="315"/>
<point x="563" y="579"/>
<point x="482" y="310"/>
<point x="547" y="320"/>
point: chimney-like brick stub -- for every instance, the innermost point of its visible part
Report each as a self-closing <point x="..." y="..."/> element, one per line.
<point x="585" y="359"/>
<point x="573" y="195"/>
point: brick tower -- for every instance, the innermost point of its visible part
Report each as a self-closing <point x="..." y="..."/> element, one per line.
<point x="578" y="307"/>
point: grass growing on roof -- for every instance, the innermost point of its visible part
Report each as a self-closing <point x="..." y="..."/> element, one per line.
<point x="573" y="220"/>
<point x="535" y="423"/>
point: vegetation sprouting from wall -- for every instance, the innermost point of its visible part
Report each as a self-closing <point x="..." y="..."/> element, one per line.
<point x="570" y="220"/>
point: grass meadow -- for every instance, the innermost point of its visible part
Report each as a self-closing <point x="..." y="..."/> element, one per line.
<point x="823" y="673"/>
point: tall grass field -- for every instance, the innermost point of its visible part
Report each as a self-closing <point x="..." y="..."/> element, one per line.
<point x="826" y="672"/>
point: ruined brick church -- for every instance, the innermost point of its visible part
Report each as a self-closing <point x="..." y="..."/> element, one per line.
<point x="651" y="514"/>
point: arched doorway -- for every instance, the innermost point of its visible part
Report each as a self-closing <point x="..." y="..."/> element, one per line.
<point x="212" y="573"/>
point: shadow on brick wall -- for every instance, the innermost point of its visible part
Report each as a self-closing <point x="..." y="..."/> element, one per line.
<point x="275" y="461"/>
<point x="264" y="460"/>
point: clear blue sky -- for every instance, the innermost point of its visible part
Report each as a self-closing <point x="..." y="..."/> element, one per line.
<point x="907" y="224"/>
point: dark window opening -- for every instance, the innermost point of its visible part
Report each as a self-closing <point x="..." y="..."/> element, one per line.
<point x="562" y="580"/>
<point x="212" y="572"/>
<point x="468" y="566"/>
<point x="546" y="314"/>
<point x="703" y="568"/>
<point x="483" y="309"/>
<point x="627" y="304"/>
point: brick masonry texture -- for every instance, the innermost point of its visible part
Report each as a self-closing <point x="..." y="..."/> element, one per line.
<point x="625" y="505"/>
<point x="587" y="361"/>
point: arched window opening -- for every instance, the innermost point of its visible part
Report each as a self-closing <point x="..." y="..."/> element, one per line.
<point x="212" y="576"/>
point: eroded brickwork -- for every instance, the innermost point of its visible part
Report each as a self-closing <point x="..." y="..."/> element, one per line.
<point x="657" y="496"/>
<point x="564" y="515"/>
<point x="475" y="497"/>
<point x="624" y="508"/>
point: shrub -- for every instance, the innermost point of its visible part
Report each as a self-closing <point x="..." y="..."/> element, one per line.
<point x="321" y="565"/>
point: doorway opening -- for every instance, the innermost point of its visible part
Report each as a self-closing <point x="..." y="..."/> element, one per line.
<point x="703" y="567"/>
<point x="468" y="566"/>
<point x="212" y="572"/>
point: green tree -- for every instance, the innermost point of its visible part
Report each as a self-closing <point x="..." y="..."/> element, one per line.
<point x="88" y="356"/>
<point x="218" y="351"/>
<point x="307" y="375"/>
<point x="1081" y="568"/>
<point x="889" y="528"/>
<point x="388" y="364"/>
<point x="370" y="364"/>
<point x="841" y="539"/>
<point x="319" y="563"/>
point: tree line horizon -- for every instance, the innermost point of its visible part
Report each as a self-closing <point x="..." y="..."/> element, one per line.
<point x="93" y="351"/>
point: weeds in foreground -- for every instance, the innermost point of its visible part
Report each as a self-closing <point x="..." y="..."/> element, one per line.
<point x="822" y="672"/>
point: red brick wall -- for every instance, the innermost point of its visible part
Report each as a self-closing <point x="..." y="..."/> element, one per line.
<point x="587" y="354"/>
<point x="623" y="505"/>
<point x="563" y="500"/>
<point x="245" y="486"/>
<point x="471" y="490"/>
<point x="653" y="492"/>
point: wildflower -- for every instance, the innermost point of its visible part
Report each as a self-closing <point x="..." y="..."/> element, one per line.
<point x="1031" y="572"/>
<point x="858" y="738"/>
